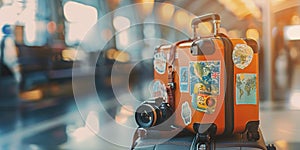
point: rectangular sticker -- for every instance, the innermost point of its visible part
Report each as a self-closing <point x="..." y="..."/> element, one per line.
<point x="246" y="89"/>
<point x="205" y="77"/>
<point x="183" y="79"/>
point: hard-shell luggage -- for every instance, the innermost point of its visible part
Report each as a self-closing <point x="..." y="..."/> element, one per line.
<point x="207" y="85"/>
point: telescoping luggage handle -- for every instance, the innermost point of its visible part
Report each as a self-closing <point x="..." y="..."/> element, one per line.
<point x="213" y="17"/>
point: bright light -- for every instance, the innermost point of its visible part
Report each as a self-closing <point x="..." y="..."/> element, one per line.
<point x="110" y="54"/>
<point x="69" y="54"/>
<point x="277" y="2"/>
<point x="147" y="7"/>
<point x="281" y="144"/>
<point x="8" y="14"/>
<point x="81" y="17"/>
<point x="91" y="128"/>
<point x="166" y="11"/>
<point x="121" y="56"/>
<point x="34" y="147"/>
<point x="77" y="12"/>
<point x="7" y="2"/>
<point x="125" y="112"/>
<point x="292" y="32"/>
<point x="293" y="52"/>
<point x="253" y="34"/>
<point x="242" y="8"/>
<point x="252" y="8"/>
<point x="182" y="19"/>
<point x="295" y="19"/>
<point x="205" y="29"/>
<point x="33" y="32"/>
<point x="120" y="23"/>
<point x="76" y="31"/>
<point x="28" y="15"/>
<point x="82" y="134"/>
<point x="294" y="100"/>
<point x="123" y="38"/>
<point x="30" y="32"/>
<point x="92" y="122"/>
<point x="120" y="119"/>
<point x="33" y="95"/>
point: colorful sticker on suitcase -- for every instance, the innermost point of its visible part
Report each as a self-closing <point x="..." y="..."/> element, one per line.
<point x="205" y="77"/>
<point x="158" y="89"/>
<point x="246" y="89"/>
<point x="204" y="103"/>
<point x="183" y="79"/>
<point x="160" y="62"/>
<point x="242" y="55"/>
<point x="186" y="113"/>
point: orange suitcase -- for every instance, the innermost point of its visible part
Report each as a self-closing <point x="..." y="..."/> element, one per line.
<point x="207" y="85"/>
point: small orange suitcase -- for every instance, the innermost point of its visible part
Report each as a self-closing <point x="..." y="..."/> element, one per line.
<point x="207" y="85"/>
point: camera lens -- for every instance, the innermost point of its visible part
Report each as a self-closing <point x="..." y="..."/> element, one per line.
<point x="146" y="116"/>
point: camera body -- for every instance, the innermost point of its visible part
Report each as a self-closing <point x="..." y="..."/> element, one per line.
<point x="153" y="112"/>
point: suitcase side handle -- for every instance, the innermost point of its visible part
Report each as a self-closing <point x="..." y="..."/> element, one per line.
<point x="213" y="17"/>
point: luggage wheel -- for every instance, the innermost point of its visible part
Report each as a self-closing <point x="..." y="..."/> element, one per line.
<point x="206" y="146"/>
<point x="204" y="139"/>
<point x="253" y="131"/>
<point x="271" y="147"/>
<point x="253" y="135"/>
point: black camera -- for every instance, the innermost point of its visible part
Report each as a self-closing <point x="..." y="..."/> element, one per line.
<point x="153" y="112"/>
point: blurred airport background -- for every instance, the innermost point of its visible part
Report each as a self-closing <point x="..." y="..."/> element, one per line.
<point x="73" y="70"/>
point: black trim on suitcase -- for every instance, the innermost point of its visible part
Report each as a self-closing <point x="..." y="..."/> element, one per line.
<point x="229" y="98"/>
<point x="253" y="44"/>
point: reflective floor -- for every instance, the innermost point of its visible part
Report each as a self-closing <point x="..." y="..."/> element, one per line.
<point x="82" y="124"/>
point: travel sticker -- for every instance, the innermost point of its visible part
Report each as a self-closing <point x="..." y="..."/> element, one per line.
<point x="205" y="77"/>
<point x="204" y="103"/>
<point x="246" y="89"/>
<point x="242" y="55"/>
<point x="158" y="89"/>
<point x="186" y="113"/>
<point x="160" y="62"/>
<point x="183" y="79"/>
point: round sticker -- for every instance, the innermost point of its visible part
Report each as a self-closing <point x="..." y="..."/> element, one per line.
<point x="204" y="103"/>
<point x="242" y="55"/>
<point x="160" y="62"/>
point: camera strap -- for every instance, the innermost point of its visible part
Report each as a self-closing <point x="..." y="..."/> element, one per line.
<point x="171" y="87"/>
